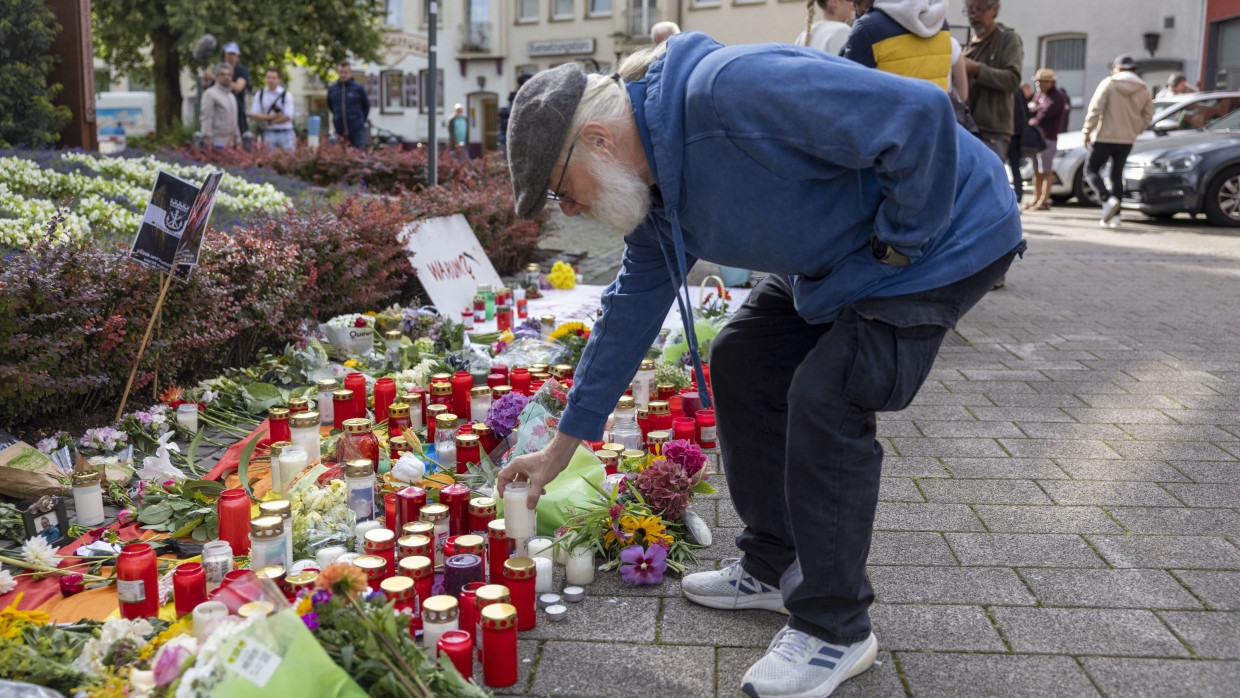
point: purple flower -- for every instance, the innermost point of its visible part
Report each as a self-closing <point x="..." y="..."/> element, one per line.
<point x="321" y="596"/>
<point x="376" y="596"/>
<point x="502" y="418"/>
<point x="688" y="455"/>
<point x="311" y="620"/>
<point x="643" y="565"/>
<point x="171" y="662"/>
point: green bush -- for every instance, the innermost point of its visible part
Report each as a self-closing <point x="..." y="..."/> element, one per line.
<point x="27" y="115"/>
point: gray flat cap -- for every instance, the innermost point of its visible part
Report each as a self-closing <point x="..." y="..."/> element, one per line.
<point x="537" y="127"/>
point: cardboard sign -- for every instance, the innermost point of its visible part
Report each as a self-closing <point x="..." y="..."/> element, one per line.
<point x="174" y="223"/>
<point x="450" y="262"/>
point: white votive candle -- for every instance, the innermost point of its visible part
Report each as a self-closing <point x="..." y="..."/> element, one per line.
<point x="518" y="518"/>
<point x="205" y="616"/>
<point x="580" y="567"/>
<point x="544" y="578"/>
<point x="328" y="555"/>
<point x="360" y="531"/>
<point x="187" y="416"/>
<point x="293" y="460"/>
<point x="539" y="546"/>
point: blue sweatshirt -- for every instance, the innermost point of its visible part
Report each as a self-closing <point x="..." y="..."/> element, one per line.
<point x="788" y="160"/>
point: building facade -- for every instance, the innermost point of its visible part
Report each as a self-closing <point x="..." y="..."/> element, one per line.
<point x="1221" y="56"/>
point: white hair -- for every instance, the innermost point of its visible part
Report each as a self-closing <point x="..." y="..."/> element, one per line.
<point x="662" y="30"/>
<point x="605" y="100"/>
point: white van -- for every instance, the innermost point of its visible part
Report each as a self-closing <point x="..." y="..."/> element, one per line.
<point x="122" y="114"/>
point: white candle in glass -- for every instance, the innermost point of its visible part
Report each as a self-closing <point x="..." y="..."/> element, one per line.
<point x="360" y="532"/>
<point x="518" y="518"/>
<point x="580" y="567"/>
<point x="205" y="617"/>
<point x="544" y="577"/>
<point x="480" y="404"/>
<point x="328" y="555"/>
<point x="293" y="460"/>
<point x="539" y="546"/>
<point x="187" y="416"/>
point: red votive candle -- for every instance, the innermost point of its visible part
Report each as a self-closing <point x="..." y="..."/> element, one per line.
<point x="389" y="510"/>
<point x="233" y="512"/>
<point x="519" y="578"/>
<point x="684" y="428"/>
<point x="189" y="587"/>
<point x="137" y="581"/>
<point x="496" y="379"/>
<point x="382" y="543"/>
<point x="342" y="407"/>
<point x="421" y="570"/>
<point x="499" y="548"/>
<point x="481" y="513"/>
<point x="706" y="433"/>
<point x="385" y="395"/>
<point x="409" y="503"/>
<point x="413" y="544"/>
<point x="499" y="645"/>
<point x="469" y="608"/>
<point x="278" y="426"/>
<point x="468" y="451"/>
<point x="461" y="383"/>
<point x="418" y="394"/>
<point x="458" y="645"/>
<point x="357" y="383"/>
<point x="690" y="402"/>
<point x="456" y="497"/>
<point x="520" y="380"/>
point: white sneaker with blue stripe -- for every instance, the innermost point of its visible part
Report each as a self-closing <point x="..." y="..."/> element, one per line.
<point x="732" y="588"/>
<point x="799" y="665"/>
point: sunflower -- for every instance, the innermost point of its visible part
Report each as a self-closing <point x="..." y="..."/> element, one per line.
<point x="650" y="527"/>
<point x="566" y="329"/>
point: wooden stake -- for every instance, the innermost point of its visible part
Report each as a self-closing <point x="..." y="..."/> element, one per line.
<point x="159" y="304"/>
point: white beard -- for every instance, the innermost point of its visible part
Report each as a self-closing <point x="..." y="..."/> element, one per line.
<point x="622" y="199"/>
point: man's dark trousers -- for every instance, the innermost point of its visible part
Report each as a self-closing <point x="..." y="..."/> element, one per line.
<point x="795" y="405"/>
<point x="1117" y="153"/>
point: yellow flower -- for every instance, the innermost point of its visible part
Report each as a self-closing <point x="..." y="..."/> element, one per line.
<point x="352" y="363"/>
<point x="651" y="528"/>
<point x="562" y="276"/>
<point x="566" y="329"/>
<point x="506" y="336"/>
<point x="304" y="605"/>
<point x="12" y="619"/>
<point x="371" y="313"/>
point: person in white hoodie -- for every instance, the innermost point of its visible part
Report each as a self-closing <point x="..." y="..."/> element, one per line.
<point x="1119" y="111"/>
<point x="830" y="33"/>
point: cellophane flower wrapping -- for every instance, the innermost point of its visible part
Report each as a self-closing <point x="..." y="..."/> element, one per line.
<point x="321" y="518"/>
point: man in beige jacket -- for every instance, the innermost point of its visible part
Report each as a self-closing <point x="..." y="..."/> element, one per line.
<point x="219" y="110"/>
<point x="1119" y="111"/>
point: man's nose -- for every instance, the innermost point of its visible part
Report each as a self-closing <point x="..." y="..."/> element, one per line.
<point x="570" y="208"/>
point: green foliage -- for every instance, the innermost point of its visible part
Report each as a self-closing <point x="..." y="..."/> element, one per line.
<point x="43" y="655"/>
<point x="27" y="115"/>
<point x="182" y="510"/>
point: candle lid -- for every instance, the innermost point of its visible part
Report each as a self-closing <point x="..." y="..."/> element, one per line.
<point x="519" y="568"/>
<point x="491" y="593"/>
<point x="305" y="419"/>
<point x="380" y="538"/>
<point x="548" y="319"/>
<point x="482" y="505"/>
<point x="398" y="409"/>
<point x="533" y="266"/>
<point x="440" y="377"/>
<point x="503" y="308"/>
<point x="500" y="391"/>
<point x="342" y="394"/>
<point x="357" y="425"/>
<point x="273" y="572"/>
<point x="660" y="407"/>
<point x="396" y="586"/>
<point x="359" y="467"/>
<point x="392" y="334"/>
<point x="540" y="376"/>
<point x="277" y="507"/>
<point x="267" y="527"/>
<point x="463" y="561"/>
<point x="469" y="543"/>
<point x="440" y="609"/>
<point x="633" y="453"/>
<point x="607" y="456"/>
<point x="626" y="403"/>
<point x="277" y="447"/>
<point x="416" y="566"/>
<point x="415" y="541"/>
<point x="370" y="564"/>
<point x="298" y="404"/>
<point x="618" y="448"/>
<point x="419" y="528"/>
<point x="658" y="437"/>
<point x="433" y="410"/>
<point x="643" y="412"/>
<point x="328" y="385"/>
<point x="278" y="414"/>
<point x="480" y="391"/>
<point x="256" y="608"/>
<point x="480" y="429"/>
<point x="303" y="580"/>
<point x="564" y="369"/>
<point x="86" y="478"/>
<point x="538" y="368"/>
<point x="499" y="616"/>
<point x="441" y="388"/>
<point x="447" y="420"/>
<point x="434" y="513"/>
<point x="467" y="440"/>
<point x="497" y="529"/>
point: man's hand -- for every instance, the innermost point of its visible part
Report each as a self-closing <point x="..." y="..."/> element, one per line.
<point x="1087" y="139"/>
<point x="970" y="65"/>
<point x="539" y="468"/>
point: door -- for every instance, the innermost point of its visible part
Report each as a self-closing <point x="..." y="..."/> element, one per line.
<point x="483" y="122"/>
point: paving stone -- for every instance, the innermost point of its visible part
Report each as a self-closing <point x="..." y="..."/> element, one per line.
<point x="951" y="675"/>
<point x="607" y="584"/>
<point x="686" y="623"/>
<point x="611" y="618"/>
<point x="893" y="516"/>
<point x="1220" y="590"/>
<point x="1169" y="450"/>
<point x="1022" y="414"/>
<point x="1178" y="520"/>
<point x="1014" y="400"/>
<point x="941" y="399"/>
<point x="1078" y="387"/>
<point x="1022" y="549"/>
<point x="898" y="489"/>
<point x="1206" y="495"/>
<point x="1052" y="519"/>
<point x="1193" y="552"/>
<point x="1170" y="388"/>
<point x="954" y="429"/>
<point x="1087" y="631"/>
<point x="1002" y="375"/>
<point x="922" y="466"/>
<point x="604" y="670"/>
<point x="1176" y="432"/>
<point x="1226" y="472"/>
<point x="881" y="679"/>
<point x="727" y="515"/>
<point x="1117" y="416"/>
<point x="1105" y="588"/>
<point x="1070" y="430"/>
<point x="1134" y="470"/>
<point x="901" y="548"/>
<point x="915" y="627"/>
<point x="950" y="585"/>
<point x="1196" y="416"/>
<point x="1128" y="401"/>
<point x="1056" y="448"/>
<point x="999" y="468"/>
<point x="1211" y="634"/>
<point x="1104" y="493"/>
<point x="1158" y="678"/>
<point x="897" y="427"/>
<point x="723" y="544"/>
<point x="987" y="387"/>
<point x="983" y="492"/>
<point x="979" y="448"/>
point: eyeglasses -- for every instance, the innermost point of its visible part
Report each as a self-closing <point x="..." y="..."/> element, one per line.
<point x="977" y="9"/>
<point x="554" y="194"/>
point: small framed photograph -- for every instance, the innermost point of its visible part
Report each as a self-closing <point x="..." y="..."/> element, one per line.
<point x="46" y="518"/>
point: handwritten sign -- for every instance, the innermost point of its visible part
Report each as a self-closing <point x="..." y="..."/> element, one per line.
<point x="450" y="262"/>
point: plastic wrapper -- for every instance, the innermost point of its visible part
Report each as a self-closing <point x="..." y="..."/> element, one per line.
<point x="527" y="352"/>
<point x="277" y="655"/>
<point x="322" y="518"/>
<point x="18" y="689"/>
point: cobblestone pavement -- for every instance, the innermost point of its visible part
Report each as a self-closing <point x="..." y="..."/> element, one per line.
<point x="1059" y="513"/>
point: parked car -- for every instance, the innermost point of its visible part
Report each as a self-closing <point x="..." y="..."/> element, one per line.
<point x="1188" y="112"/>
<point x="1193" y="173"/>
<point x="119" y="115"/>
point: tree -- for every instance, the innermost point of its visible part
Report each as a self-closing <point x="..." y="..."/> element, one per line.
<point x="134" y="34"/>
<point x="27" y="115"/>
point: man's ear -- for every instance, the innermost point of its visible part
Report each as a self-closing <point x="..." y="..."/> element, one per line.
<point x="599" y="137"/>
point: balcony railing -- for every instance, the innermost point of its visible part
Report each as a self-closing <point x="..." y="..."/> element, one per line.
<point x="637" y="22"/>
<point x="476" y="37"/>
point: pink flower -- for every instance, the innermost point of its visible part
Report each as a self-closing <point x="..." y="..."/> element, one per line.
<point x="71" y="584"/>
<point x="642" y="566"/>
<point x="125" y="516"/>
<point x="170" y="664"/>
<point x="169" y="482"/>
<point x="688" y="455"/>
<point x="360" y="322"/>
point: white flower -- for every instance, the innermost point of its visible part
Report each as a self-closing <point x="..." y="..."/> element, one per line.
<point x="37" y="551"/>
<point x="90" y="661"/>
<point x="7" y="583"/>
<point x="46" y="446"/>
<point x="208" y="396"/>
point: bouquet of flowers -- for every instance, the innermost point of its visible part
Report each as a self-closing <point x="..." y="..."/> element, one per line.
<point x="573" y="335"/>
<point x="321" y="517"/>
